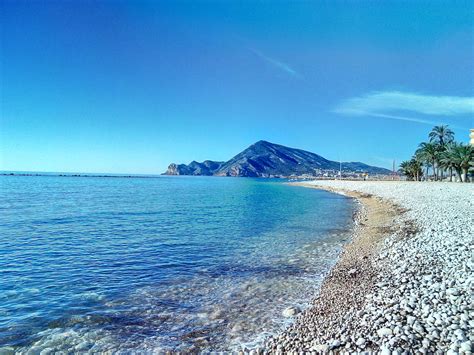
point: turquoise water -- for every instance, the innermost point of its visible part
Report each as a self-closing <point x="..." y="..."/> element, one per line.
<point x="177" y="263"/>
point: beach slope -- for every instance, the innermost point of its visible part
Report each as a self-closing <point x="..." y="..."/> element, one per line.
<point x="406" y="279"/>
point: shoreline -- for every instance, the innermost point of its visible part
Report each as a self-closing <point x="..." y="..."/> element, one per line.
<point x="345" y="287"/>
<point x="403" y="284"/>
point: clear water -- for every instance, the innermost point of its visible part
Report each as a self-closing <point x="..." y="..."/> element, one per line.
<point x="169" y="263"/>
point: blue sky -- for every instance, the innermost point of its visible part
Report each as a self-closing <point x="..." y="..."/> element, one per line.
<point x="130" y="86"/>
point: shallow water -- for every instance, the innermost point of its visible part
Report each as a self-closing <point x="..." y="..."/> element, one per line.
<point x="182" y="263"/>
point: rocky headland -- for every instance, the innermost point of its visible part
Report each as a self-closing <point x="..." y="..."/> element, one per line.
<point x="206" y="168"/>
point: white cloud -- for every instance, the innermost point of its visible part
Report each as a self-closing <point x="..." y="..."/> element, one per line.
<point x="403" y="118"/>
<point x="276" y="63"/>
<point x="389" y="104"/>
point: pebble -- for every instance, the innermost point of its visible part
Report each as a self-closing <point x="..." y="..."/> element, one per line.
<point x="290" y="312"/>
<point x="384" y="332"/>
<point x="335" y="344"/>
<point x="466" y="346"/>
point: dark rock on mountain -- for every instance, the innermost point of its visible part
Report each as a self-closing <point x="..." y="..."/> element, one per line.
<point x="207" y="167"/>
<point x="264" y="159"/>
<point x="177" y="169"/>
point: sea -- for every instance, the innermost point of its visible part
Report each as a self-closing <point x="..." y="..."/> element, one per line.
<point x="119" y="264"/>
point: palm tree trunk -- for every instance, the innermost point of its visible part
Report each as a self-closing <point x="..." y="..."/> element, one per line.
<point x="450" y="174"/>
<point x="464" y="175"/>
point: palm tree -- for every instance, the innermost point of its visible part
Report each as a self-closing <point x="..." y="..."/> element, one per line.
<point x="412" y="169"/>
<point x="405" y="168"/>
<point x="441" y="153"/>
<point x="462" y="156"/>
<point x="416" y="166"/>
<point x="441" y="135"/>
<point x="421" y="158"/>
<point x="471" y="169"/>
<point x="446" y="159"/>
<point x="428" y="153"/>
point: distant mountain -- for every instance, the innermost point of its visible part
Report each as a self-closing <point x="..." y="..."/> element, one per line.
<point x="264" y="159"/>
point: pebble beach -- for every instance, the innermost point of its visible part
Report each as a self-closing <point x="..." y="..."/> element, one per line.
<point x="405" y="282"/>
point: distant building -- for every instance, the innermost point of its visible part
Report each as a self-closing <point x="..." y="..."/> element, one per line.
<point x="472" y="137"/>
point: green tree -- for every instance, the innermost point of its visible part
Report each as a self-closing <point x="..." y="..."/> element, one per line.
<point x="446" y="159"/>
<point x="441" y="135"/>
<point x="405" y="168"/>
<point x="429" y="153"/>
<point x="411" y="169"/>
<point x="461" y="156"/>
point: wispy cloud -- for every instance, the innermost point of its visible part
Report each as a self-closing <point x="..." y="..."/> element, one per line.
<point x="402" y="118"/>
<point x="395" y="105"/>
<point x="277" y="64"/>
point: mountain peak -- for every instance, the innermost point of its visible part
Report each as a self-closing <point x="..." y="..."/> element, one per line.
<point x="261" y="141"/>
